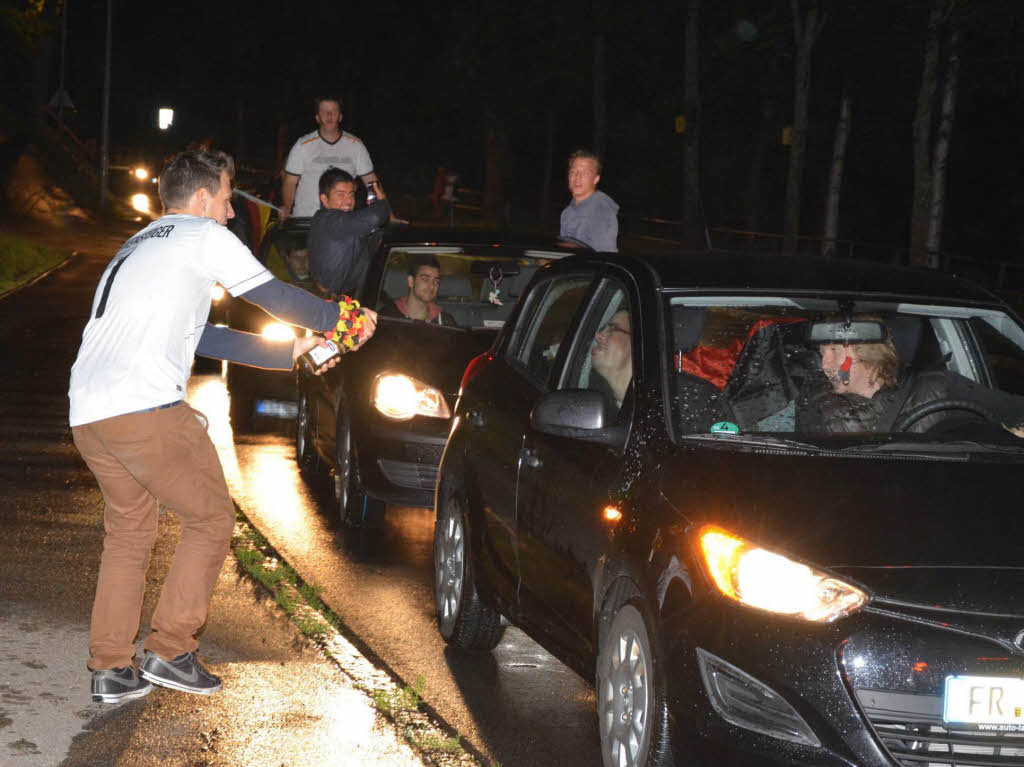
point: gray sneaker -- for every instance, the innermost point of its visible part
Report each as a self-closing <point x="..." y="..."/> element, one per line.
<point x="114" y="685"/>
<point x="183" y="673"/>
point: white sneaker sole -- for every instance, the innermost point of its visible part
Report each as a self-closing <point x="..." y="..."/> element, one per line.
<point x="175" y="685"/>
<point x="142" y="692"/>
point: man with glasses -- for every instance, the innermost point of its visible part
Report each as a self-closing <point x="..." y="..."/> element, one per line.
<point x="612" y="354"/>
<point x="424" y="280"/>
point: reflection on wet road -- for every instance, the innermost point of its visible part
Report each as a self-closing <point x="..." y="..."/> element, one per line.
<point x="518" y="705"/>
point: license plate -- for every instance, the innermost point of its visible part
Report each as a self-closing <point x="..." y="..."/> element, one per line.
<point x="995" y="703"/>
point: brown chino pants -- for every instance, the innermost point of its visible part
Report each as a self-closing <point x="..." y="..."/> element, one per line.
<point x="142" y="460"/>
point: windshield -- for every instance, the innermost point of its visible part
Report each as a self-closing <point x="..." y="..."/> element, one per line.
<point x="455" y="286"/>
<point x="802" y="369"/>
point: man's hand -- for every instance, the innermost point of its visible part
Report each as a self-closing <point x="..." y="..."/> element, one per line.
<point x="369" y="326"/>
<point x="305" y="343"/>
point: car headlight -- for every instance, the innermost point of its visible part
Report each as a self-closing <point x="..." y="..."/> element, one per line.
<point x="217" y="292"/>
<point x="278" y="331"/>
<point x="141" y="173"/>
<point x="401" y="397"/>
<point x="763" y="579"/>
<point x="140" y="202"/>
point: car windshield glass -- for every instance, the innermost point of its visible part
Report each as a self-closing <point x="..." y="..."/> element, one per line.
<point x="457" y="287"/>
<point x="807" y="369"/>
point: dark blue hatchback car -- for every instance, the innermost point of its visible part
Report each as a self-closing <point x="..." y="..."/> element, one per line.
<point x="769" y="506"/>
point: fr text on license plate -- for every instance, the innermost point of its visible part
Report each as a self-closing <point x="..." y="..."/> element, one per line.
<point x="984" y="700"/>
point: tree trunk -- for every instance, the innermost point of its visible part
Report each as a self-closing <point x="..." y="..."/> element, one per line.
<point x="693" y="214"/>
<point x="494" y="172"/>
<point x="600" y="102"/>
<point x="806" y="34"/>
<point x="835" y="179"/>
<point x="922" y="138"/>
<point x="942" y="142"/>
<point x="767" y="135"/>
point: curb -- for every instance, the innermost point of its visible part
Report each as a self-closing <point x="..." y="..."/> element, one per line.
<point x="38" y="277"/>
<point x="415" y="720"/>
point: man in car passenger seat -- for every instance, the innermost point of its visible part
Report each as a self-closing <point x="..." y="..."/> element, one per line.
<point x="424" y="280"/>
<point x="340" y="236"/>
<point x="145" y="445"/>
<point x="328" y="146"/>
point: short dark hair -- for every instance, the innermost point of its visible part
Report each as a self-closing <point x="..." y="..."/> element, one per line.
<point x="320" y="99"/>
<point x="419" y="261"/>
<point x="188" y="172"/>
<point x="586" y="154"/>
<point x="332" y="176"/>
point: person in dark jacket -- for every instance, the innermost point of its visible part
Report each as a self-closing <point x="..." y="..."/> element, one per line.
<point x="341" y="238"/>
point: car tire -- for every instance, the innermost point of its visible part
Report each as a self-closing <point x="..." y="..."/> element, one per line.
<point x="305" y="454"/>
<point x="355" y="507"/>
<point x="632" y="710"/>
<point x="463" y="619"/>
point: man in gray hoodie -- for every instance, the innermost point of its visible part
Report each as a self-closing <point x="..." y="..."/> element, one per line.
<point x="591" y="216"/>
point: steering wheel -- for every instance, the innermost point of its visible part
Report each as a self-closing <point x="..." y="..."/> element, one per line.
<point x="908" y="419"/>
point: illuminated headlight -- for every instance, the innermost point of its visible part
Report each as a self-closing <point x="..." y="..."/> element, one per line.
<point x="141" y="173"/>
<point x="278" y="331"/>
<point x="763" y="579"/>
<point x="217" y="292"/>
<point x="140" y="202"/>
<point x="400" y="397"/>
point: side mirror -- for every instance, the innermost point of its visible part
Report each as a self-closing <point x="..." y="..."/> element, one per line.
<point x="576" y="413"/>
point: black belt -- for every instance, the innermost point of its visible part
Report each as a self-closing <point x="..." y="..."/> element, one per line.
<point x="158" y="407"/>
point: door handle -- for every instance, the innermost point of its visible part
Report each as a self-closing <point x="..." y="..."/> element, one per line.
<point x="475" y="418"/>
<point x="529" y="456"/>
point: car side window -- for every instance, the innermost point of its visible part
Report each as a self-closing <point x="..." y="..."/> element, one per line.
<point x="601" y="358"/>
<point x="553" y="309"/>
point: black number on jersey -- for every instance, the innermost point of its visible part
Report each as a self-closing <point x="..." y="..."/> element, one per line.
<point x="110" y="281"/>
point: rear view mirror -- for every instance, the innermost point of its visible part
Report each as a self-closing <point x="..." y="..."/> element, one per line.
<point x="859" y="332"/>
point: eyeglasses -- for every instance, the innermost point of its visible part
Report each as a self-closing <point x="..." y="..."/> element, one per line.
<point x="611" y="327"/>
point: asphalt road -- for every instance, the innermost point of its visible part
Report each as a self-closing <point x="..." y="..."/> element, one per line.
<point x="517" y="705"/>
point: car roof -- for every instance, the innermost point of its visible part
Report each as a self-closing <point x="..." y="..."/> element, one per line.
<point x="746" y="272"/>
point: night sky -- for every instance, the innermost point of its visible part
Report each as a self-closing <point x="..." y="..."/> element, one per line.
<point x="424" y="84"/>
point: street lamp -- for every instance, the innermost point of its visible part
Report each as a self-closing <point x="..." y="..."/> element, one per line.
<point x="165" y="117"/>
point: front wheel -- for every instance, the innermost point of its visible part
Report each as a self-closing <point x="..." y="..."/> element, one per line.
<point x="355" y="507"/>
<point x="305" y="453"/>
<point x="631" y="707"/>
<point x="464" y="621"/>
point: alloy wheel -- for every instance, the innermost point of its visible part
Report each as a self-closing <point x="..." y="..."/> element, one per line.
<point x="302" y="445"/>
<point x="343" y="472"/>
<point x="625" y="695"/>
<point x="449" y="569"/>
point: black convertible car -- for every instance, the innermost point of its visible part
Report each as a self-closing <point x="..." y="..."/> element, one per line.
<point x="768" y="505"/>
<point x="378" y="421"/>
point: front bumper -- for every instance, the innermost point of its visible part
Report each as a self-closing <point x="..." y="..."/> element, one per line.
<point x="398" y="461"/>
<point x="870" y="688"/>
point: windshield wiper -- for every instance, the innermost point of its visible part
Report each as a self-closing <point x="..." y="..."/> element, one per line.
<point x="914" y="447"/>
<point x="754" y="440"/>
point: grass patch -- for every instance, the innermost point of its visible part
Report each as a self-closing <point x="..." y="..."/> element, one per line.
<point x="22" y="261"/>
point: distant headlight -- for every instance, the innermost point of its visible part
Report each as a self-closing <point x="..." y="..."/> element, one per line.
<point x="141" y="173"/>
<point x="217" y="292"/>
<point x="278" y="331"/>
<point x="400" y="397"/>
<point x="760" y="578"/>
<point x="140" y="202"/>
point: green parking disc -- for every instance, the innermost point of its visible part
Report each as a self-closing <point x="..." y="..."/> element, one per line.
<point x="725" y="427"/>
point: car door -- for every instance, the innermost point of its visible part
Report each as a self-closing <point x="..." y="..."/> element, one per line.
<point x="563" y="489"/>
<point x="496" y="407"/>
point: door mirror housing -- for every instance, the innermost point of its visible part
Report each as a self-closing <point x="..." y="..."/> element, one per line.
<point x="577" y="414"/>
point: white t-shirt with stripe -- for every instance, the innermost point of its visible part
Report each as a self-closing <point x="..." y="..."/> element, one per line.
<point x="148" y="314"/>
<point x="311" y="156"/>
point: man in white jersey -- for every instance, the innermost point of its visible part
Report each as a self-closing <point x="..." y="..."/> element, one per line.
<point x="144" y="444"/>
<point x="328" y="146"/>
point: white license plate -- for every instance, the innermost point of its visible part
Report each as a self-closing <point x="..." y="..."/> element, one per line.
<point x="985" y="700"/>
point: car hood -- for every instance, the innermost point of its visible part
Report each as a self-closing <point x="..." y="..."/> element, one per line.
<point x="934" y="532"/>
<point x="433" y="354"/>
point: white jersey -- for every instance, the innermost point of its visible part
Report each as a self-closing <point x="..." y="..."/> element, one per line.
<point x="148" y="314"/>
<point x="311" y="156"/>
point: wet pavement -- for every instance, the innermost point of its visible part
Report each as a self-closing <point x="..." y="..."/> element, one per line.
<point x="283" y="701"/>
